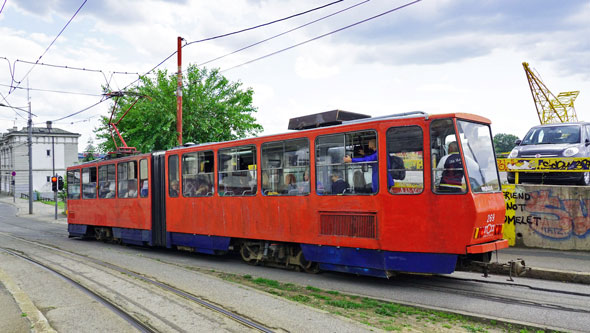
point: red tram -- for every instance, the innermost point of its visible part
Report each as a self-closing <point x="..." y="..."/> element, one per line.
<point x="409" y="192"/>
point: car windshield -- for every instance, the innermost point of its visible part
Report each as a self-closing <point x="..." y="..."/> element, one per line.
<point x="552" y="135"/>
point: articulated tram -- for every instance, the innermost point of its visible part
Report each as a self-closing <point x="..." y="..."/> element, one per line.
<point x="409" y="192"/>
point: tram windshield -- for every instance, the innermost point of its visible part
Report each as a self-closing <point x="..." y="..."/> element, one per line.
<point x="476" y="141"/>
<point x="449" y="174"/>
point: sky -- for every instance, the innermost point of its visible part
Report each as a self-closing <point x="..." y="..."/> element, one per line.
<point x="435" y="56"/>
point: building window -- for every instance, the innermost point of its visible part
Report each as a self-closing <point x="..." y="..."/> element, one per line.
<point x="48" y="152"/>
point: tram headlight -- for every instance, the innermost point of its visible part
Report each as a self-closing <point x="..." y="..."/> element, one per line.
<point x="513" y="153"/>
<point x="571" y="151"/>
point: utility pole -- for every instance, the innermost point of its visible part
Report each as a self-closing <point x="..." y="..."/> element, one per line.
<point x="53" y="164"/>
<point x="30" y="124"/>
<point x="179" y="93"/>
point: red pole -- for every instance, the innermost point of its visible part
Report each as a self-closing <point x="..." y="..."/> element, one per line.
<point x="179" y="94"/>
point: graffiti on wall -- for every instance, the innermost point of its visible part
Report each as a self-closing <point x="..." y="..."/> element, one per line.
<point x="570" y="164"/>
<point x="549" y="215"/>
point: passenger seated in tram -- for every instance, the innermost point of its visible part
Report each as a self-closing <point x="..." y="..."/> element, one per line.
<point x="339" y="185"/>
<point x="103" y="189"/>
<point x="189" y="188"/>
<point x="303" y="186"/>
<point x="111" y="193"/>
<point x="131" y="188"/>
<point x="203" y="190"/>
<point x="359" y="182"/>
<point x="144" y="188"/>
<point x="174" y="187"/>
<point x="291" y="184"/>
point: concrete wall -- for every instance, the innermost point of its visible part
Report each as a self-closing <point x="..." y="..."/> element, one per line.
<point x="547" y="216"/>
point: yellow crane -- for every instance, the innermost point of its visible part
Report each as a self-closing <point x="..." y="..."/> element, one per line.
<point x="551" y="109"/>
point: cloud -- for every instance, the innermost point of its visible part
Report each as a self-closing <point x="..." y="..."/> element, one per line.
<point x="308" y="68"/>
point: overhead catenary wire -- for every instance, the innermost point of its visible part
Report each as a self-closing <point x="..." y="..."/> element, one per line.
<point x="283" y="33"/>
<point x="11" y="107"/>
<point x="1" y="9"/>
<point x="83" y="110"/>
<point x="52" y="91"/>
<point x="321" y="36"/>
<point x="12" y="69"/>
<point x="263" y="24"/>
<point x="51" y="44"/>
<point x="232" y="33"/>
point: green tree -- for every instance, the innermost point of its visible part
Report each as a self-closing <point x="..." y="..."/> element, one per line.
<point x="89" y="151"/>
<point x="503" y="143"/>
<point x="214" y="109"/>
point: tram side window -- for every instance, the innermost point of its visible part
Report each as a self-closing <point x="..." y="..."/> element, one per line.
<point x="285" y="167"/>
<point x="173" y="185"/>
<point x="447" y="168"/>
<point x="106" y="181"/>
<point x="127" y="179"/>
<point x="74" y="184"/>
<point x="197" y="174"/>
<point x="237" y="171"/>
<point x="405" y="151"/>
<point x="143" y="178"/>
<point x="347" y="163"/>
<point x="89" y="183"/>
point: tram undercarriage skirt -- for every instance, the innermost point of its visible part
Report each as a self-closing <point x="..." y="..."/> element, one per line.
<point x="377" y="263"/>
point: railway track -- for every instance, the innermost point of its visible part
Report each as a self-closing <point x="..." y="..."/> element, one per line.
<point x="129" y="312"/>
<point x="129" y="318"/>
<point x="553" y="298"/>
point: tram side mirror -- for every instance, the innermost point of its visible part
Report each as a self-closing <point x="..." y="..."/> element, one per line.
<point x="517" y="142"/>
<point x="587" y="142"/>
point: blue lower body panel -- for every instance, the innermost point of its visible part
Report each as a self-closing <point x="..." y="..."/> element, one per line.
<point x="77" y="230"/>
<point x="133" y="236"/>
<point x="200" y="243"/>
<point x="377" y="263"/>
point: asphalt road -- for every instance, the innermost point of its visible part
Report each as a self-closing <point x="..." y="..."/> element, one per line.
<point x="70" y="310"/>
<point x="524" y="300"/>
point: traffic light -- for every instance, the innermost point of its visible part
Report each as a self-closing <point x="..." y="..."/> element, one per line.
<point x="60" y="183"/>
<point x="54" y="184"/>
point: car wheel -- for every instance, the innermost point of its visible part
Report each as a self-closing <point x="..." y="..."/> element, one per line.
<point x="585" y="180"/>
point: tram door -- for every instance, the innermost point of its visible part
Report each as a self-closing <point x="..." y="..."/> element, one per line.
<point x="158" y="200"/>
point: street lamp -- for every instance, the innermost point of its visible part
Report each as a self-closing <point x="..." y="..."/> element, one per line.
<point x="29" y="143"/>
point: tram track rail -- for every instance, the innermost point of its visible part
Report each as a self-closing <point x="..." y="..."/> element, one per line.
<point x="147" y="280"/>
<point x="500" y="298"/>
<point x="130" y="319"/>
<point x="513" y="284"/>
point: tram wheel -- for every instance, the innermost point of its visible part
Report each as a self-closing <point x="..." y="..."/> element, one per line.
<point x="249" y="253"/>
<point x="307" y="266"/>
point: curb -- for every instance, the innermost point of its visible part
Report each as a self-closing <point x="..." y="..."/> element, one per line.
<point x="557" y="275"/>
<point x="38" y="321"/>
